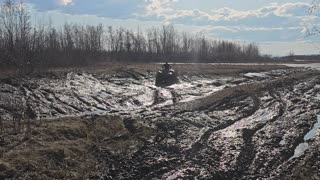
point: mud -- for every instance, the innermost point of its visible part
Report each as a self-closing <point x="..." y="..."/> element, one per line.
<point x="243" y="126"/>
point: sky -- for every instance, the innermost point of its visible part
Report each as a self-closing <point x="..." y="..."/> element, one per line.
<point x="277" y="26"/>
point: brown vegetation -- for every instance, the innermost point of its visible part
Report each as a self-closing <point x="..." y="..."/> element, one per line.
<point x="66" y="149"/>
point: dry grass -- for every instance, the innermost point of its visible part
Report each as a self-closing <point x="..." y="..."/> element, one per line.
<point x="66" y="149"/>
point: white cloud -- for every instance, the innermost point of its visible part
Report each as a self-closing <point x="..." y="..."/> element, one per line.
<point x="162" y="10"/>
<point x="285" y="21"/>
<point x="292" y="9"/>
<point x="278" y="21"/>
<point x="158" y="7"/>
<point x="65" y="2"/>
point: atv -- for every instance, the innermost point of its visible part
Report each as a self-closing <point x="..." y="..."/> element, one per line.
<point x="166" y="77"/>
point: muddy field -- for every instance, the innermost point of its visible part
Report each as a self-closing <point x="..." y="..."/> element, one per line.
<point x="219" y="122"/>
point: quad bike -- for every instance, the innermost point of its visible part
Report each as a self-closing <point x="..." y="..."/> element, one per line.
<point x="166" y="77"/>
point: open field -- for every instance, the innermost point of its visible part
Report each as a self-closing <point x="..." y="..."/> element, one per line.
<point x="219" y="122"/>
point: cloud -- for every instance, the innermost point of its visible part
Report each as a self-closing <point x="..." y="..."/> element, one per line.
<point x="292" y="9"/>
<point x="64" y="2"/>
<point x="104" y="8"/>
<point x="158" y="7"/>
<point x="276" y="21"/>
<point x="274" y="14"/>
<point x="281" y="20"/>
<point x="274" y="10"/>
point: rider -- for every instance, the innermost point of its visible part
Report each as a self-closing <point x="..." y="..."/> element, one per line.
<point x="166" y="66"/>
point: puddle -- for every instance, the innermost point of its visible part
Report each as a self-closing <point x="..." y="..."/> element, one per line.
<point x="313" y="131"/>
<point x="302" y="147"/>
<point x="252" y="75"/>
<point x="307" y="65"/>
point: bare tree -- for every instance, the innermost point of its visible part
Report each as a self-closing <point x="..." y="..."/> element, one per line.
<point x="15" y="32"/>
<point x="314" y="9"/>
<point x="74" y="45"/>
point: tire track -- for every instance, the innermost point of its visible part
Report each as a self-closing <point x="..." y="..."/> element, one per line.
<point x="205" y="136"/>
<point x="248" y="152"/>
<point x="56" y="100"/>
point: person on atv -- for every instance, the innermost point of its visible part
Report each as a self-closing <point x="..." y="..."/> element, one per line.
<point x="166" y="66"/>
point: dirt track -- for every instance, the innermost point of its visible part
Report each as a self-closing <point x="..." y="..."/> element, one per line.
<point x="238" y="125"/>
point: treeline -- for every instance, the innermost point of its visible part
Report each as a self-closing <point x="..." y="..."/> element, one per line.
<point x="25" y="45"/>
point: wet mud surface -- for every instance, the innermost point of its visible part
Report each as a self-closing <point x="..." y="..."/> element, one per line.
<point x="247" y="126"/>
